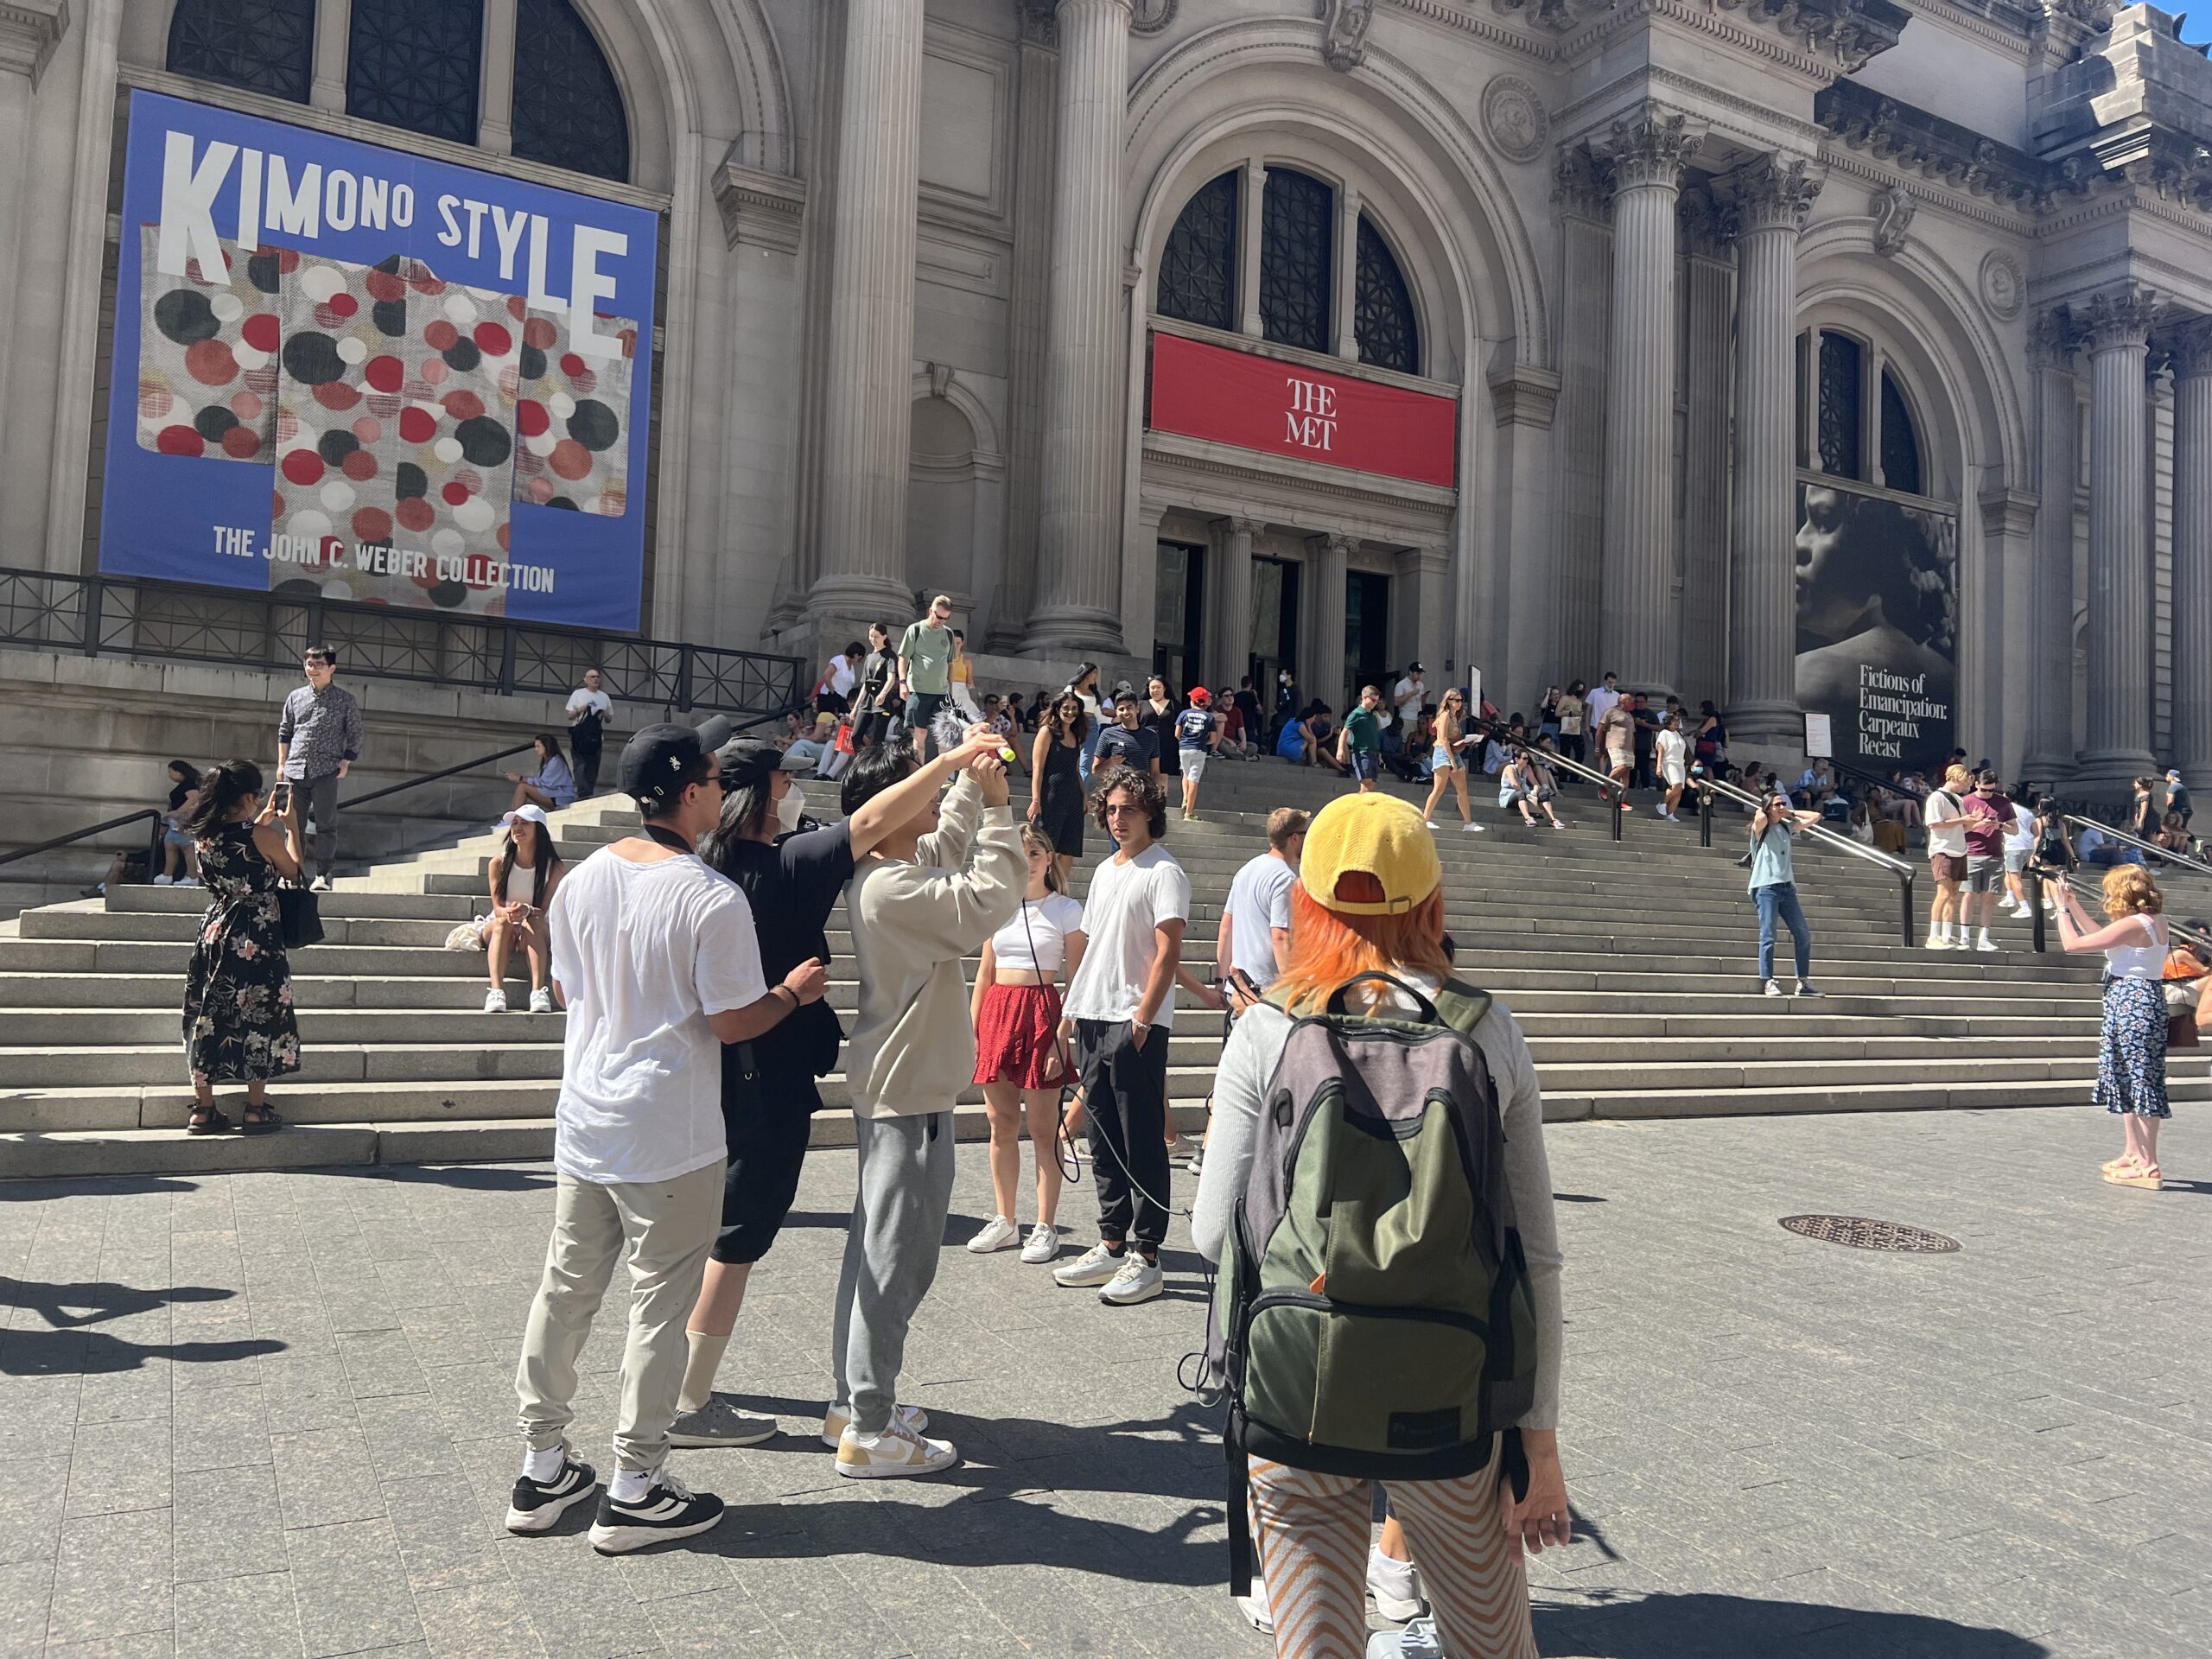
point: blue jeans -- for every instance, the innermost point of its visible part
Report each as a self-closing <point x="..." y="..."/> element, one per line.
<point x="1780" y="900"/>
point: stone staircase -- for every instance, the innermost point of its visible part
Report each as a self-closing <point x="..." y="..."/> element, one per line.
<point x="1631" y="965"/>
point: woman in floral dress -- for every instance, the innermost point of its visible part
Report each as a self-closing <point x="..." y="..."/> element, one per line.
<point x="239" y="1021"/>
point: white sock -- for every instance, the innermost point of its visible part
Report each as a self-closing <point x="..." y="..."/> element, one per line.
<point x="542" y="1466"/>
<point x="1965" y="933"/>
<point x="699" y="1370"/>
<point x="1986" y="939"/>
<point x="1394" y="1575"/>
<point x="629" y="1485"/>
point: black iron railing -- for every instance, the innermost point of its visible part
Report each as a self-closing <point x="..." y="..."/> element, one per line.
<point x="1710" y="788"/>
<point x="153" y="847"/>
<point x="112" y="616"/>
<point x="1611" y="791"/>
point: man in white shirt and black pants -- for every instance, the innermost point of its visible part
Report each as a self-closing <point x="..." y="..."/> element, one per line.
<point x="1121" y="1012"/>
<point x="655" y="957"/>
<point x="590" y="709"/>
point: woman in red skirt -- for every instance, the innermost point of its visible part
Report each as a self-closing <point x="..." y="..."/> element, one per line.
<point x="1018" y="1058"/>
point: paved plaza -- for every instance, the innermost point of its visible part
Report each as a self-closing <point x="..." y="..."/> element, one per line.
<point x="270" y="1414"/>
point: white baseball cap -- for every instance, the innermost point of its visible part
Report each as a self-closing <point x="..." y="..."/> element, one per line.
<point x="534" y="812"/>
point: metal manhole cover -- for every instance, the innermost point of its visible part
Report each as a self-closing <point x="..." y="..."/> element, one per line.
<point x="1861" y="1233"/>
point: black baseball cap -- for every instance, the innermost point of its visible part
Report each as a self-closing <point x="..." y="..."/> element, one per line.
<point x="749" y="760"/>
<point x="655" y="761"/>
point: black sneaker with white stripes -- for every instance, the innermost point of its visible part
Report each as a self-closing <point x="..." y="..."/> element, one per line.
<point x="671" y="1510"/>
<point x="537" y="1504"/>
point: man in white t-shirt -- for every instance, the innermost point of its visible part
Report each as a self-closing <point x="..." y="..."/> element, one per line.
<point x="1255" y="922"/>
<point x="1121" y="1012"/>
<point x="1603" y="699"/>
<point x="590" y="711"/>
<point x="1406" y="696"/>
<point x="1943" y="814"/>
<point x="655" y="957"/>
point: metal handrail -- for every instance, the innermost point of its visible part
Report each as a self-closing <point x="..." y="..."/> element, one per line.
<point x="152" y="850"/>
<point x="1870" y="779"/>
<point x="1497" y="731"/>
<point x="353" y="801"/>
<point x="1709" y="786"/>
<point x="2164" y="854"/>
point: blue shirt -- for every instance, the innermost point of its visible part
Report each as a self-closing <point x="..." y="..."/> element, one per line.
<point x="1771" y="866"/>
<point x="1193" y="727"/>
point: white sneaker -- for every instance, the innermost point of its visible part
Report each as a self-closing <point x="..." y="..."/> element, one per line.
<point x="1196" y="1162"/>
<point x="1431" y="824"/>
<point x="1395" y="1586"/>
<point x="1139" y="1280"/>
<point x="541" y="1000"/>
<point x="1042" y="1245"/>
<point x="495" y="1000"/>
<point x="1255" y="1609"/>
<point x="996" y="1234"/>
<point x="1774" y="988"/>
<point x="320" y="884"/>
<point x="1937" y="942"/>
<point x="1473" y="829"/>
<point x="1094" y="1267"/>
<point x="161" y="881"/>
<point x="1987" y="943"/>
<point x="1079" y="1149"/>
<point x="838" y="1419"/>
<point x="898" y="1453"/>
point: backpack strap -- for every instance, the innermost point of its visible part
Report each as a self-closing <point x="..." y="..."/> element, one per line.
<point x="1462" y="1006"/>
<point x="1241" y="1572"/>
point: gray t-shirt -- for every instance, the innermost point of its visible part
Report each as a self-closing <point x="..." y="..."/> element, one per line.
<point x="1259" y="898"/>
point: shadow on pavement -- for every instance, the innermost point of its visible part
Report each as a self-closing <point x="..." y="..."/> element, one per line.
<point x="1740" y="1627"/>
<point x="70" y="1347"/>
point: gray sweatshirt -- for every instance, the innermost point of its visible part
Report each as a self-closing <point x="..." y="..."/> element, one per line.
<point x="912" y="1049"/>
<point x="1248" y="1061"/>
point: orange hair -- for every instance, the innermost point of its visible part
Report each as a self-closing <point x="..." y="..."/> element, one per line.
<point x="1327" y="947"/>
<point x="2129" y="891"/>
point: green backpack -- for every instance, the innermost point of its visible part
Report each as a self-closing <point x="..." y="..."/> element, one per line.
<point x="1373" y="1318"/>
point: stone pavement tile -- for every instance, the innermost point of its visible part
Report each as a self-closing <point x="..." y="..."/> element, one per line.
<point x="477" y="1621"/>
<point x="324" y="1475"/>
<point x="147" y="1644"/>
<point x="402" y="1437"/>
<point x="26" y="1591"/>
<point x="351" y="1590"/>
<point x="146" y="1390"/>
<point x="380" y="1364"/>
<point x="112" y="1577"/>
<point x="249" y="1618"/>
<point x="808" y="1595"/>
<point x="576" y="1599"/>
<point x="301" y="1323"/>
<point x="714" y="1624"/>
<point x="32" y="1492"/>
<point x="667" y="1575"/>
<point x="233" y="1526"/>
<point x="305" y="1392"/>
<point x="452" y="1332"/>
<point x="443" y="1535"/>
<point x="467" y="1401"/>
<point x="117" y="1466"/>
<point x="219" y="1428"/>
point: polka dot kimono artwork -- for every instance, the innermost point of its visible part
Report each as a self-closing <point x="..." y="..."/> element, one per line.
<point x="207" y="357"/>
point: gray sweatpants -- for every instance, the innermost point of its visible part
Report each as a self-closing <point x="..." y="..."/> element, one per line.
<point x="891" y="1252"/>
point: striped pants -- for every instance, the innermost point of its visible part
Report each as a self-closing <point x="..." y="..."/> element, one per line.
<point x="1313" y="1533"/>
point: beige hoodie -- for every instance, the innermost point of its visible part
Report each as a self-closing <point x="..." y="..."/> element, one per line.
<point x="912" y="1049"/>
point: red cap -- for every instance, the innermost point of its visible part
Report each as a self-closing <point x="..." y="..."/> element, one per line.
<point x="1200" y="696"/>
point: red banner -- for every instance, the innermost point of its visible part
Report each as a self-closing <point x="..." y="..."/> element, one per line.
<point x="1281" y="408"/>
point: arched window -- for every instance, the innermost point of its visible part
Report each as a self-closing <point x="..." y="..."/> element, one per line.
<point x="263" y="45"/>
<point x="568" y="109"/>
<point x="1297" y="232"/>
<point x="1198" y="268"/>
<point x="1900" y="442"/>
<point x="1383" y="308"/>
<point x="415" y="64"/>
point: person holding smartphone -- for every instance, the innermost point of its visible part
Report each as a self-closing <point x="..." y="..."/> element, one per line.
<point x="1774" y="887"/>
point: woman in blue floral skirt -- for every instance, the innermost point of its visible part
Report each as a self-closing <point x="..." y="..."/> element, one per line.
<point x="2132" y="1060"/>
<point x="239" y="1021"/>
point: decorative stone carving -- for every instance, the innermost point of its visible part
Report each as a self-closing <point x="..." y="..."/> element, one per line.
<point x="1580" y="181"/>
<point x="2053" y="339"/>
<point x="30" y="30"/>
<point x="1514" y="118"/>
<point x="1039" y="22"/>
<point x="761" y="209"/>
<point x="1774" y="194"/>
<point x="2189" y="348"/>
<point x="1151" y="16"/>
<point x="1893" y="209"/>
<point x="2004" y="285"/>
<point x="1704" y="225"/>
<point x="2123" y="316"/>
<point x="1650" y="147"/>
<point x="1344" y="24"/>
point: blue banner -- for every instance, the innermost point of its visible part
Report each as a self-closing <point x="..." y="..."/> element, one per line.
<point x="343" y="370"/>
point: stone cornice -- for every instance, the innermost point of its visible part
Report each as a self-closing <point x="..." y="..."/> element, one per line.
<point x="30" y="30"/>
<point x="1391" y="501"/>
<point x="1819" y="39"/>
<point x="760" y="209"/>
<point x="1522" y="394"/>
<point x="1942" y="150"/>
<point x="2008" y="511"/>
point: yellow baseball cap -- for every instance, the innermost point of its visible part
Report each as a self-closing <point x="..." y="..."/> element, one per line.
<point x="1378" y="837"/>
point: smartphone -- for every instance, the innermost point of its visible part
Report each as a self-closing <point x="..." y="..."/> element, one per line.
<point x="281" y="797"/>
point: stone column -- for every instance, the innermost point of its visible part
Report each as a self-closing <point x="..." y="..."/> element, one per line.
<point x="1773" y="199"/>
<point x="1228" y="654"/>
<point x="333" y="30"/>
<point x="2052" y="344"/>
<point x="1343" y="317"/>
<point x="1079" y="574"/>
<point x="866" y="436"/>
<point x="1251" y="199"/>
<point x="495" y="107"/>
<point x="1638" y="606"/>
<point x="2118" y="747"/>
<point x="2191" y="348"/>
<point x="1321" y="672"/>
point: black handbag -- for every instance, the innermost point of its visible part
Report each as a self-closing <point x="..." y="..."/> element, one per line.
<point x="299" y="918"/>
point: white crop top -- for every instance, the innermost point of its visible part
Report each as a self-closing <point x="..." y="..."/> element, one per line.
<point x="2138" y="961"/>
<point x="1048" y="921"/>
<point x="522" y="884"/>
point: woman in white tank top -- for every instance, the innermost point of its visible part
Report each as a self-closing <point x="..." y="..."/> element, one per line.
<point x="2131" y="1059"/>
<point x="1019" y="1060"/>
<point x="524" y="874"/>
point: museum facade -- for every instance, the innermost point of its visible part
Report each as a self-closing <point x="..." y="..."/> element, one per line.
<point x="1840" y="355"/>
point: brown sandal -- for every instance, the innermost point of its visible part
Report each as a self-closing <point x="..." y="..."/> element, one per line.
<point x="2146" y="1176"/>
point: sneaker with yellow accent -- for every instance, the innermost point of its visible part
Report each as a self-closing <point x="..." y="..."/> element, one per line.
<point x="838" y="1419"/>
<point x="896" y="1453"/>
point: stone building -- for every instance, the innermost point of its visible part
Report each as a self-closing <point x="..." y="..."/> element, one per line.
<point x="1531" y="336"/>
